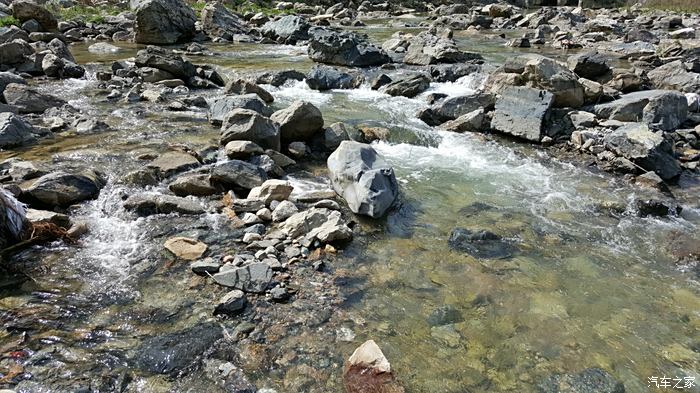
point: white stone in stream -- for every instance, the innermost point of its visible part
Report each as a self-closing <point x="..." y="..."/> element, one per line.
<point x="251" y="237"/>
<point x="250" y="218"/>
<point x="283" y="211"/>
<point x="45" y="216"/>
<point x="369" y="355"/>
<point x="103" y="47"/>
<point x="272" y="190"/>
<point x="185" y="248"/>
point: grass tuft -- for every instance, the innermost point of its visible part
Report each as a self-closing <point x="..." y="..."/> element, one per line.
<point x="8" y="21"/>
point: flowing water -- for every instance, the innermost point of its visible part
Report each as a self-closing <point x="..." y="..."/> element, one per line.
<point x="590" y="285"/>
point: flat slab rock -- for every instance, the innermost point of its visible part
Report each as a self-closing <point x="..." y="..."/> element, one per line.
<point x="185" y="248"/>
<point x="521" y="112"/>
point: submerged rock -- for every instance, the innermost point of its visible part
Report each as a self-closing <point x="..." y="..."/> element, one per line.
<point x="361" y="176"/>
<point x="163" y="21"/>
<point x="175" y="353"/>
<point x="480" y="244"/>
<point x="185" y="248"/>
<point x="592" y="380"/>
<point x="368" y="371"/>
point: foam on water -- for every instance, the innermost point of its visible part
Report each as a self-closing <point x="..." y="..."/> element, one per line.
<point x="298" y="90"/>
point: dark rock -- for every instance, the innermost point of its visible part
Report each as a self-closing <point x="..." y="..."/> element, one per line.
<point x="480" y="244"/>
<point x="589" y="65"/>
<point x="238" y="174"/>
<point x="150" y="204"/>
<point x="278" y="78"/>
<point x="663" y="109"/>
<point x="162" y="22"/>
<point x="233" y="303"/>
<point x="592" y="380"/>
<point x="298" y="122"/>
<point x="248" y="125"/>
<point x="455" y="107"/>
<point x="218" y="21"/>
<point x="62" y="189"/>
<point x="522" y="112"/>
<point x="287" y="30"/>
<point x="240" y="86"/>
<point x="15" y="52"/>
<point x="163" y="59"/>
<point x="344" y="48"/>
<point x="327" y="78"/>
<point x="14" y="131"/>
<point x="409" y="86"/>
<point x="656" y="208"/>
<point x="175" y="353"/>
<point x="24" y="10"/>
<point x="645" y="148"/>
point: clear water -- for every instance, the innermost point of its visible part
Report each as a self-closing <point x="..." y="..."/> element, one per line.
<point x="585" y="289"/>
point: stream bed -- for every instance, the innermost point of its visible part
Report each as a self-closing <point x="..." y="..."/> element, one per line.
<point x="589" y="284"/>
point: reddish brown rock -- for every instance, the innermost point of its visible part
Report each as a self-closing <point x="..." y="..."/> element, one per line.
<point x="368" y="371"/>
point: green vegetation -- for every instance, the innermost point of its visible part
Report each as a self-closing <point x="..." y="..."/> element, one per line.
<point x="8" y="21"/>
<point x="90" y="14"/>
<point x="673" y="5"/>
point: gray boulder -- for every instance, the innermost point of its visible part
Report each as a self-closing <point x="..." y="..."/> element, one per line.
<point x="11" y="33"/>
<point x="663" y="109"/>
<point x="238" y="174"/>
<point x="150" y="204"/>
<point x="248" y="125"/>
<point x="287" y="30"/>
<point x="62" y="189"/>
<point x="218" y="21"/>
<point x="674" y="76"/>
<point x="327" y="78"/>
<point x="56" y="67"/>
<point x="522" y="111"/>
<point x="14" y="131"/>
<point x="7" y="77"/>
<point x="589" y="65"/>
<point x="28" y="100"/>
<point x="253" y="278"/>
<point x="24" y="10"/>
<point x="361" y="176"/>
<point x="647" y="149"/>
<point x="222" y="106"/>
<point x="162" y="22"/>
<point x="166" y="60"/>
<point x="433" y="47"/>
<point x="409" y="86"/>
<point x="241" y="86"/>
<point x="544" y="73"/>
<point x="299" y="121"/>
<point x="454" y="107"/>
<point x="14" y="52"/>
<point x="344" y="48"/>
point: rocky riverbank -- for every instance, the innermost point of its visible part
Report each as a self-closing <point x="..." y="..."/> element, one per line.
<point x="252" y="208"/>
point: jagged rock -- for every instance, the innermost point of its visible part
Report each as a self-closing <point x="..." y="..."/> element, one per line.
<point x="299" y="121"/>
<point x="334" y="135"/>
<point x="431" y="47"/>
<point x="15" y="52"/>
<point x="287" y="30"/>
<point x="233" y="303"/>
<point x="29" y="100"/>
<point x="57" y="67"/>
<point x="166" y="60"/>
<point x="150" y="204"/>
<point x="241" y="86"/>
<point x="197" y="185"/>
<point x="589" y="65"/>
<point x="272" y="190"/>
<point x="247" y="125"/>
<point x="162" y="22"/>
<point x="24" y="10"/>
<point x="409" y="86"/>
<point x="238" y="174"/>
<point x="344" y="48"/>
<point x="547" y="74"/>
<point x="185" y="248"/>
<point x="368" y="370"/>
<point x="223" y="106"/>
<point x="522" y="111"/>
<point x="327" y="78"/>
<point x="664" y="109"/>
<point x="218" y="21"/>
<point x="361" y="176"/>
<point x="62" y="189"/>
<point x="674" y="76"/>
<point x="253" y="278"/>
<point x="14" y="131"/>
<point x="174" y="162"/>
<point x="649" y="150"/>
<point x="241" y="150"/>
<point x="278" y="78"/>
<point x="454" y="107"/>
